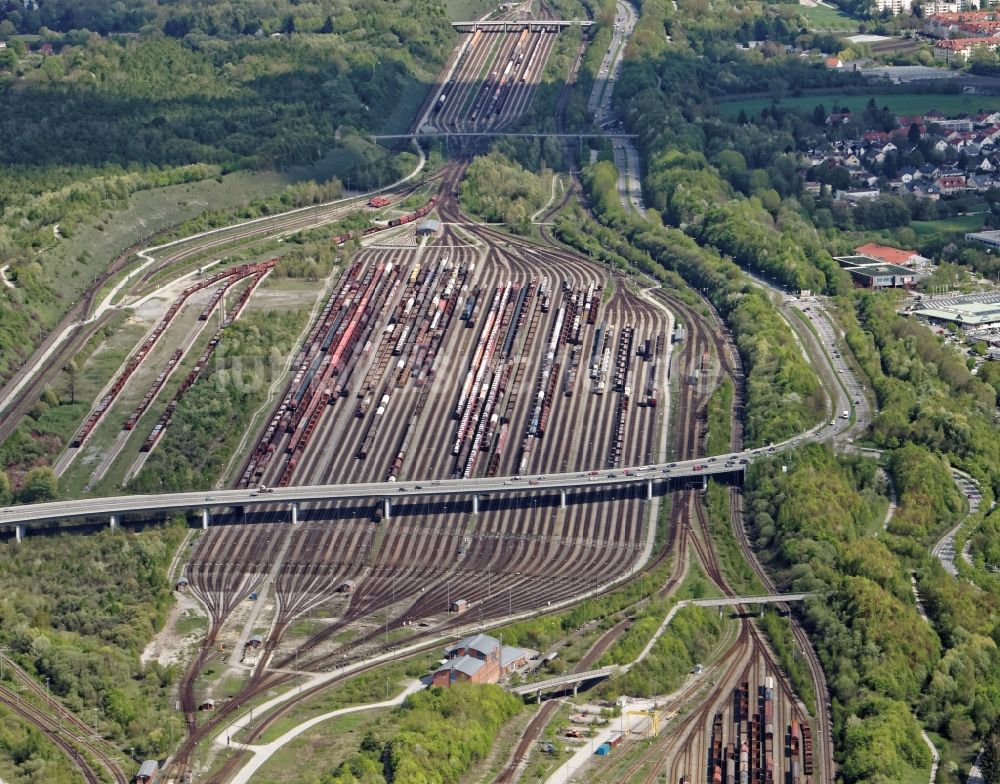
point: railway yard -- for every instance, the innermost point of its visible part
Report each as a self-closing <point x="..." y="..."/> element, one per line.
<point x="537" y="376"/>
<point x="468" y="354"/>
<point x="493" y="78"/>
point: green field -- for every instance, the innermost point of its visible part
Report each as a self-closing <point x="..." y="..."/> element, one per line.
<point x="957" y="224"/>
<point x="824" y="18"/>
<point x="900" y="103"/>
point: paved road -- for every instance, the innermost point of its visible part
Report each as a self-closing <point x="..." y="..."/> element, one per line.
<point x="626" y="157"/>
<point x="262" y="753"/>
<point x="944" y="550"/>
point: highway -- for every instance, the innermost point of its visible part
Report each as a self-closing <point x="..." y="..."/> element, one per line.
<point x="391" y="491"/>
<point x="626" y="157"/>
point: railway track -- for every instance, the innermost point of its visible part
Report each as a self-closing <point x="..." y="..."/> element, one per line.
<point x="68" y="742"/>
<point x="64" y="715"/>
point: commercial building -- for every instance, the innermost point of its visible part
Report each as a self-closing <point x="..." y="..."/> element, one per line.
<point x="882" y="276"/>
<point x="479" y="659"/>
<point x="989" y="238"/>
<point x="969" y="315"/>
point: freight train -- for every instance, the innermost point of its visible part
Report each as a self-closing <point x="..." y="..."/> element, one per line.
<point x="342" y="238"/>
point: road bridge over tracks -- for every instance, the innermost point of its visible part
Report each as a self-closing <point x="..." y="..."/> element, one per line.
<point x="516" y="26"/>
<point x="570" y="487"/>
<point x="574" y="679"/>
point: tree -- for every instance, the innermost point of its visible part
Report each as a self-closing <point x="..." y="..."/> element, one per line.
<point x="71" y="371"/>
<point x="40" y="484"/>
<point x="5" y="493"/>
<point x="913" y="135"/>
<point x="990" y="761"/>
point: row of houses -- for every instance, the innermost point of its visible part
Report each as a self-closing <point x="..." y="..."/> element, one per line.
<point x="948" y="184"/>
<point x="933" y="7"/>
<point x="945" y="23"/>
<point x="951" y="48"/>
<point x="972" y="141"/>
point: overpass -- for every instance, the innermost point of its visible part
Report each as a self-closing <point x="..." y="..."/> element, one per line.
<point x="654" y="478"/>
<point x="574" y="679"/>
<point x="651" y="477"/>
<point x="514" y="25"/>
<point x="493" y="134"/>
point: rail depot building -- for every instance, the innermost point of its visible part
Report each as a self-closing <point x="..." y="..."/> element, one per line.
<point x="479" y="658"/>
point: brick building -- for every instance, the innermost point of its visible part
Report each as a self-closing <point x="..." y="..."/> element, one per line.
<point x="479" y="659"/>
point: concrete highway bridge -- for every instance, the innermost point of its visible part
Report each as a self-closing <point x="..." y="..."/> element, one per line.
<point x="574" y="679"/>
<point x="570" y="487"/>
<point x="493" y="134"/>
<point x="515" y="26"/>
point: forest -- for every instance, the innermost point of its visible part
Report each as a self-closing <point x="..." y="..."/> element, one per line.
<point x="499" y="190"/>
<point x="81" y="623"/>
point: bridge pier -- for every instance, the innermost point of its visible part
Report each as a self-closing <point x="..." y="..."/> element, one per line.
<point x="19" y="532"/>
<point x="386" y="508"/>
<point x="562" y="499"/>
<point x="204" y="519"/>
<point x="575" y="687"/>
<point x="538" y="696"/>
<point x="704" y="482"/>
<point x="113" y="521"/>
<point x="475" y="504"/>
<point x="649" y="490"/>
<point x="295" y="514"/>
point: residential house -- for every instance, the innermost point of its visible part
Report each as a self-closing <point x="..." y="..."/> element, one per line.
<point x="950" y="183"/>
<point x="856" y="195"/>
<point x="929" y="171"/>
